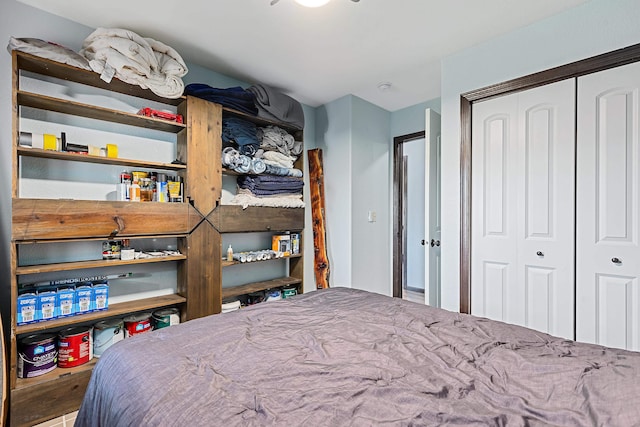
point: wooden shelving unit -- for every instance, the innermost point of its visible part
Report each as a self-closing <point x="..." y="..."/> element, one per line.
<point x="236" y="219"/>
<point x="198" y="224"/>
<point x="44" y="221"/>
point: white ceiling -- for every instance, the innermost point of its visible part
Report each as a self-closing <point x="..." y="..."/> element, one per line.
<point x="318" y="55"/>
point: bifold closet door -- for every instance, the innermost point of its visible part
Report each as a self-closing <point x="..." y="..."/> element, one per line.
<point x="523" y="183"/>
<point x="608" y="193"/>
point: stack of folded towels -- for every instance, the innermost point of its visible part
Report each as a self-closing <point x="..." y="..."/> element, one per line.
<point x="270" y="185"/>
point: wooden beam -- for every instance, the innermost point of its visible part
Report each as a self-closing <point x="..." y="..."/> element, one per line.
<point x="316" y="181"/>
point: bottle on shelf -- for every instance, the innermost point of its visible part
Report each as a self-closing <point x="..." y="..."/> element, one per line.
<point x="161" y="188"/>
<point x="230" y="253"/>
<point x="124" y="186"/>
<point x="134" y="192"/>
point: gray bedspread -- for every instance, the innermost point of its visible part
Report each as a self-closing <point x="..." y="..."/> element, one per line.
<point x="341" y="357"/>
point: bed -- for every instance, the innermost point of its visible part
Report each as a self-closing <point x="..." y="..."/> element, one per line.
<point x="342" y="356"/>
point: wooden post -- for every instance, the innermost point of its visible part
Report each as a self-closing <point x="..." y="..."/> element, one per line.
<point x="316" y="181"/>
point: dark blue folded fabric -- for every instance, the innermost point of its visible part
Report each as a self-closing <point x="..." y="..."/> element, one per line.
<point x="266" y="184"/>
<point x="233" y="97"/>
<point x="242" y="132"/>
<point x="259" y="192"/>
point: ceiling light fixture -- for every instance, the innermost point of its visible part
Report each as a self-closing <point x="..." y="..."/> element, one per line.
<point x="312" y="3"/>
<point x="384" y="86"/>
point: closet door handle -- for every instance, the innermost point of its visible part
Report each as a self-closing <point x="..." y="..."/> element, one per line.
<point x="616" y="260"/>
<point x="540" y="253"/>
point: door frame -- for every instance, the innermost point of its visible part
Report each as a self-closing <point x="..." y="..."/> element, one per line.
<point x="398" y="207"/>
<point x="594" y="64"/>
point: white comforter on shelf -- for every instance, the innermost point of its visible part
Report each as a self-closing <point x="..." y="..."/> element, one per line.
<point x="136" y="60"/>
<point x="246" y="198"/>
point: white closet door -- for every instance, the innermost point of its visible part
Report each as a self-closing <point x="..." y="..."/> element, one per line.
<point x="523" y="208"/>
<point x="494" y="208"/>
<point x="546" y="206"/>
<point x="608" y="251"/>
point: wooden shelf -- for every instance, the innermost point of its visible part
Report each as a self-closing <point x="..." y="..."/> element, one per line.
<point x="78" y="265"/>
<point x="235" y="219"/>
<point x="84" y="239"/>
<point x="259" y="286"/>
<point x="55" y="374"/>
<point x="119" y="309"/>
<point x="75" y="157"/>
<point x="47" y="67"/>
<point x="43" y="102"/>
<point x="54" y="219"/>
<point x="226" y="263"/>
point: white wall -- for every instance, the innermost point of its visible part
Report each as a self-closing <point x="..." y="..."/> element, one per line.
<point x="595" y="27"/>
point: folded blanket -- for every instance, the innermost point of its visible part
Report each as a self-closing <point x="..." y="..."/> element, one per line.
<point x="280" y="171"/>
<point x="276" y="158"/>
<point x="246" y="198"/>
<point x="242" y="132"/>
<point x="275" y="105"/>
<point x="274" y="138"/>
<point x="49" y="50"/>
<point x="263" y="185"/>
<point x="135" y="60"/>
<point x="233" y="97"/>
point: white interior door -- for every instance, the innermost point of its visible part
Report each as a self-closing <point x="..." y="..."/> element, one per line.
<point x="522" y="259"/>
<point x="432" y="216"/>
<point x="608" y="250"/>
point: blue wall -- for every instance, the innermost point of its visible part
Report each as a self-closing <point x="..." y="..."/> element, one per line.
<point x="411" y="119"/>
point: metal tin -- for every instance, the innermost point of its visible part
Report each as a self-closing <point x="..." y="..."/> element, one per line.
<point x="289" y="292"/>
<point x="137" y="324"/>
<point x="75" y="346"/>
<point x="37" y="355"/>
<point x="105" y="334"/>
<point x="166" y="317"/>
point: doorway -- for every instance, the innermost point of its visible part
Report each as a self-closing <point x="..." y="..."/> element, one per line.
<point x="416" y="223"/>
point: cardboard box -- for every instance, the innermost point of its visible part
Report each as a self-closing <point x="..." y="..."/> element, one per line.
<point x="47" y="305"/>
<point x="101" y="296"/>
<point x="27" y="309"/>
<point x="66" y="301"/>
<point x="84" y="300"/>
<point x="281" y="243"/>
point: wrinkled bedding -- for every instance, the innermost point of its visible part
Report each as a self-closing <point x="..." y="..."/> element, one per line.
<point x="341" y="356"/>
